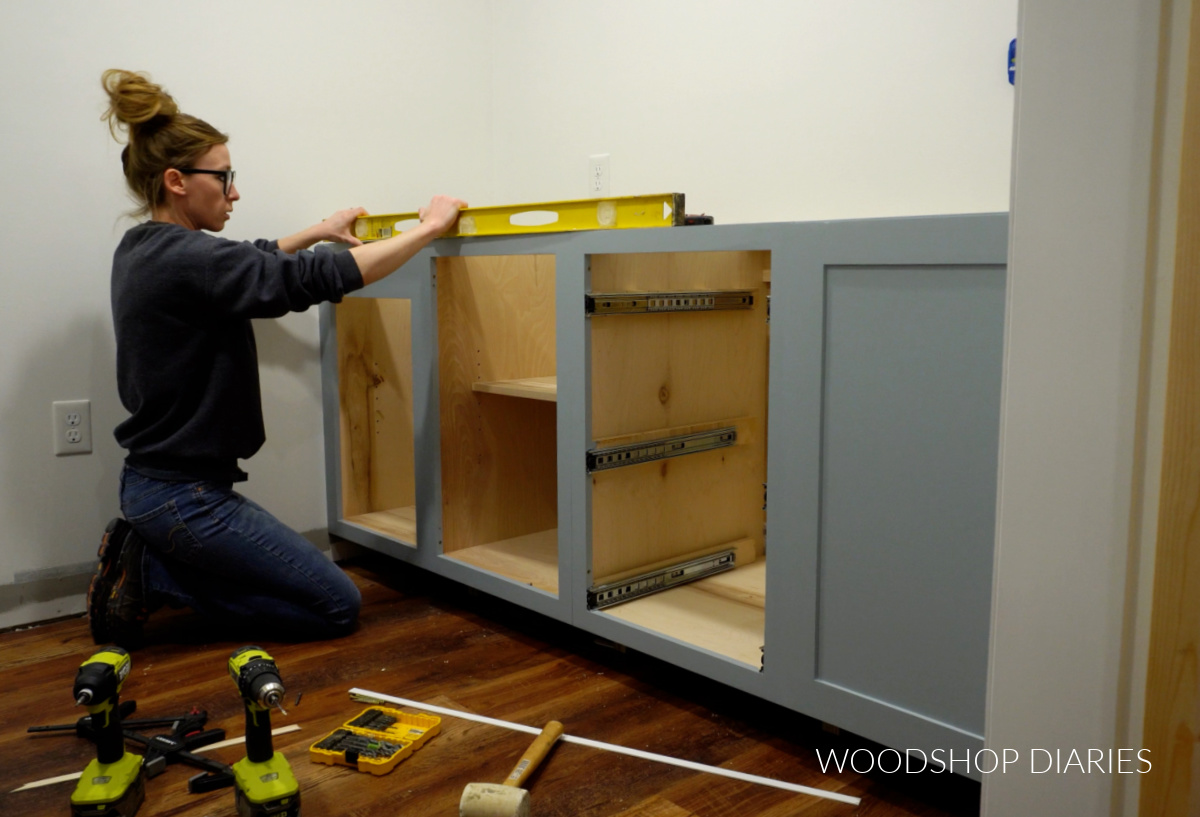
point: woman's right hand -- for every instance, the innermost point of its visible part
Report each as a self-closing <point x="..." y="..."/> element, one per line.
<point x="441" y="213"/>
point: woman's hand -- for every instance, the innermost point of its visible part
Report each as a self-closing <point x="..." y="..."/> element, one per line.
<point x="340" y="226"/>
<point x="381" y="258"/>
<point x="441" y="213"/>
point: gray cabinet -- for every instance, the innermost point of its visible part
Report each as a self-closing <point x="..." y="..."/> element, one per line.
<point x="565" y="420"/>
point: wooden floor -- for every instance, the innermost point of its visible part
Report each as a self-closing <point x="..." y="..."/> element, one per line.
<point x="429" y="640"/>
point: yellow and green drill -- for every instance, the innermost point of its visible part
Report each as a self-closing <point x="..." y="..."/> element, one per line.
<point x="263" y="779"/>
<point x="112" y="785"/>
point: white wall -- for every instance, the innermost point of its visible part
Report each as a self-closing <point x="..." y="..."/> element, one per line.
<point x="761" y="111"/>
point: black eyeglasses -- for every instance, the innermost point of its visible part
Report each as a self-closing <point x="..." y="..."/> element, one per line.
<point x="226" y="176"/>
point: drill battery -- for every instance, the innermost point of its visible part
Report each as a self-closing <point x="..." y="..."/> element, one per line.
<point x="376" y="740"/>
<point x="93" y="796"/>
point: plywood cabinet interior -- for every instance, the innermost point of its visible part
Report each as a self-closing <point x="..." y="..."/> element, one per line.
<point x="374" y="343"/>
<point x="498" y="443"/>
<point x="667" y="374"/>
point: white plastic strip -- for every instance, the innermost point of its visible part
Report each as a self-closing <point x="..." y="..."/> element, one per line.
<point x="378" y="697"/>
<point x="50" y="781"/>
<point x="282" y="730"/>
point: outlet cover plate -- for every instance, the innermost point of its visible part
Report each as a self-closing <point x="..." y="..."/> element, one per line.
<point x="72" y="427"/>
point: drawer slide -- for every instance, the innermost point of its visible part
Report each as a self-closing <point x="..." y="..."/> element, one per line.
<point x="654" y="581"/>
<point x="618" y="456"/>
<point x="641" y="303"/>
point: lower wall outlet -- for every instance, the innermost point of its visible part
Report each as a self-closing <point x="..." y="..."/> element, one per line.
<point x="72" y="427"/>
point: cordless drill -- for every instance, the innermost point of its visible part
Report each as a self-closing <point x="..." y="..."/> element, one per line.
<point x="112" y="785"/>
<point x="263" y="779"/>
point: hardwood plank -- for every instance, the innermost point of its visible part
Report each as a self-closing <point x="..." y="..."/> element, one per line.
<point x="656" y="807"/>
<point x="427" y="639"/>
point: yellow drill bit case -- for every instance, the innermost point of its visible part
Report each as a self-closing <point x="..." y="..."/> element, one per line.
<point x="375" y="740"/>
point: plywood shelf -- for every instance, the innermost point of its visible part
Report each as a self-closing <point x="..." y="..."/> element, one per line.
<point x="397" y="523"/>
<point x="723" y="613"/>
<point x="531" y="559"/>
<point x="532" y="388"/>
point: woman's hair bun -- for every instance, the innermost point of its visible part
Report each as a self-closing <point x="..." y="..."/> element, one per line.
<point x="134" y="102"/>
<point x="160" y="136"/>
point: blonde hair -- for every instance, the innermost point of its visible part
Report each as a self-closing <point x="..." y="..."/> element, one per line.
<point x="159" y="136"/>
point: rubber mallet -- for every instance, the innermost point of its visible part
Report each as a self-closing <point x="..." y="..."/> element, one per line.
<point x="508" y="799"/>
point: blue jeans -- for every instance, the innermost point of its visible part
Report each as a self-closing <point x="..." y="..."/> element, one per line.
<point x="213" y="550"/>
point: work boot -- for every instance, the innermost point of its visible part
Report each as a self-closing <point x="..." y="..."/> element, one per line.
<point x="105" y="577"/>
<point x="116" y="598"/>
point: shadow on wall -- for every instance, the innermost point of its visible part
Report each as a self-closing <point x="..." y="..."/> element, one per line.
<point x="279" y="348"/>
<point x="289" y="365"/>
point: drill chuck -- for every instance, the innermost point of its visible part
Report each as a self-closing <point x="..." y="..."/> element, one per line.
<point x="257" y="678"/>
<point x="270" y="694"/>
<point x="99" y="678"/>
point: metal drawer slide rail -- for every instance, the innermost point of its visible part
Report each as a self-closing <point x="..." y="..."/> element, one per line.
<point x="640" y="303"/>
<point x="606" y="595"/>
<point x="602" y="459"/>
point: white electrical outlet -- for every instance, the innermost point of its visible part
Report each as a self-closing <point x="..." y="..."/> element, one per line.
<point x="72" y="427"/>
<point x="598" y="175"/>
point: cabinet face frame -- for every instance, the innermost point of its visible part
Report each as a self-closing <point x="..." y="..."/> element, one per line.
<point x="801" y="255"/>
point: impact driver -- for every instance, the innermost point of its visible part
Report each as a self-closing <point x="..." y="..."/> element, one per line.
<point x="263" y="779"/>
<point x="112" y="785"/>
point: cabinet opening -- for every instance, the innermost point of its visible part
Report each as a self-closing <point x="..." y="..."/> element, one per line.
<point x="374" y="338"/>
<point x="497" y="395"/>
<point x="679" y="390"/>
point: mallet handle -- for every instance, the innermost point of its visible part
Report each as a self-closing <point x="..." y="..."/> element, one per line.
<point x="534" y="755"/>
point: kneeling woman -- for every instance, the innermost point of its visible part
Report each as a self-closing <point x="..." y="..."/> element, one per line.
<point x="187" y="372"/>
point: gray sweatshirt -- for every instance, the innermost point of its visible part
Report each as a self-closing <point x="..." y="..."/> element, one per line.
<point x="187" y="364"/>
